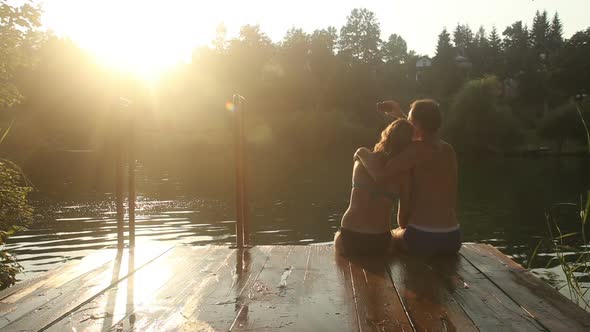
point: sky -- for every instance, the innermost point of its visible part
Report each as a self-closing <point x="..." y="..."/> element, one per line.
<point x="147" y="33"/>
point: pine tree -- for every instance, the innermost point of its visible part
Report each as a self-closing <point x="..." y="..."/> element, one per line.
<point x="463" y="39"/>
<point x="444" y="49"/>
<point x="493" y="55"/>
<point x="516" y="46"/>
<point x="555" y="37"/>
<point x="481" y="40"/>
<point x="495" y="42"/>
<point x="540" y="32"/>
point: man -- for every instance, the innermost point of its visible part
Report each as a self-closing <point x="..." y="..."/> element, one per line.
<point x="432" y="225"/>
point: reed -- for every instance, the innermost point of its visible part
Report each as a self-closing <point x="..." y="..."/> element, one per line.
<point x="574" y="270"/>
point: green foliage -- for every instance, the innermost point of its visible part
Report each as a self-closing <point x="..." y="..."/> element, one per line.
<point x="360" y="37"/>
<point x="444" y="49"/>
<point x="395" y="49"/>
<point x="561" y="124"/>
<point x="463" y="39"/>
<point x="15" y="214"/>
<point x="476" y="121"/>
<point x="19" y="39"/>
<point x="18" y="31"/>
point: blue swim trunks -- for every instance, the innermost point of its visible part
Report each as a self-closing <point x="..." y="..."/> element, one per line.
<point x="427" y="242"/>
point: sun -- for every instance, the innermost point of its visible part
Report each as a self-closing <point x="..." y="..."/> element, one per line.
<point x="141" y="37"/>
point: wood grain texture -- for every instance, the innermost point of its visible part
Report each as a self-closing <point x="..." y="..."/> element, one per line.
<point x="216" y="307"/>
<point x="427" y="300"/>
<point x="552" y="310"/>
<point x="488" y="307"/>
<point x="47" y="304"/>
<point x="144" y="294"/>
<point x="377" y="303"/>
<point x="266" y="288"/>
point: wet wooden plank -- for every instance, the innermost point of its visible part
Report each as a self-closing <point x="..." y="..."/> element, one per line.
<point x="487" y="306"/>
<point x="217" y="306"/>
<point x="330" y="302"/>
<point x="145" y="294"/>
<point x="427" y="300"/>
<point x="185" y="291"/>
<point x="552" y="310"/>
<point x="378" y="305"/>
<point x="57" y="276"/>
<point x="302" y="288"/>
<point x="272" y="302"/>
<point x="39" y="309"/>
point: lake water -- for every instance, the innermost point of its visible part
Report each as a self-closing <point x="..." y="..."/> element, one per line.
<point x="189" y="199"/>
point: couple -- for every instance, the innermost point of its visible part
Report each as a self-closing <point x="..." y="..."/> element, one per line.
<point x="409" y="164"/>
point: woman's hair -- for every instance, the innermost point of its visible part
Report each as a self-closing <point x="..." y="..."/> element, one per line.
<point x="395" y="138"/>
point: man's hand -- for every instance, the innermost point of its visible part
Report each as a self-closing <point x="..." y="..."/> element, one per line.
<point x="391" y="110"/>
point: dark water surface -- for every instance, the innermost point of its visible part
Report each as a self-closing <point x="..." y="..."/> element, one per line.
<point x="189" y="199"/>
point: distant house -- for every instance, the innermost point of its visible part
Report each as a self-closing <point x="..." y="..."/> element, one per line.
<point x="421" y="65"/>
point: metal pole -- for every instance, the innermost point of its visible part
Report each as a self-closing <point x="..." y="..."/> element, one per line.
<point x="132" y="195"/>
<point x="119" y="188"/>
<point x="239" y="173"/>
<point x="245" y="214"/>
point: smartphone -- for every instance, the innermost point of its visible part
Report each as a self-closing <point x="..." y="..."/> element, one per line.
<point x="388" y="106"/>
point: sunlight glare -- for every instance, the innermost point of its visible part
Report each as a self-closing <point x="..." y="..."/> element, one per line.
<point x="141" y="37"/>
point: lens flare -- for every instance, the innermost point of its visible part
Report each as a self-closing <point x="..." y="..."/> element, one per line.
<point x="230" y="106"/>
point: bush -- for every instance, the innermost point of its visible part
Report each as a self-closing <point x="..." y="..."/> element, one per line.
<point x="476" y="121"/>
<point x="563" y="123"/>
<point x="15" y="215"/>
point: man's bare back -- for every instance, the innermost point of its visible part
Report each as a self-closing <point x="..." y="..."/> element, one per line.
<point x="434" y="187"/>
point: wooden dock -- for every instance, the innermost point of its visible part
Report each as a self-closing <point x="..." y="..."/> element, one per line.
<point x="303" y="288"/>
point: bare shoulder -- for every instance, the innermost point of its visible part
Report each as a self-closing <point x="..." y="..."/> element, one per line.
<point x="446" y="147"/>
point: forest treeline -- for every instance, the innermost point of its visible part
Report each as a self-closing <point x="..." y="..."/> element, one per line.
<point x="499" y="88"/>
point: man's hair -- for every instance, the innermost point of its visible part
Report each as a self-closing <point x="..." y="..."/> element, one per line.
<point x="426" y="114"/>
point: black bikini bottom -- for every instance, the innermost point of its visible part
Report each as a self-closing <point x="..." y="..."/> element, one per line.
<point x="432" y="243"/>
<point x="364" y="244"/>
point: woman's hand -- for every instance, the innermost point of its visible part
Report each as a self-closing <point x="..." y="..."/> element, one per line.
<point x="360" y="152"/>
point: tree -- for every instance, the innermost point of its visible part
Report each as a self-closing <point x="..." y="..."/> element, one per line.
<point x="444" y="49"/>
<point x="539" y="33"/>
<point x="494" y="41"/>
<point x="562" y="124"/>
<point x="574" y="74"/>
<point x="463" y="39"/>
<point x="360" y="37"/>
<point x="15" y="214"/>
<point x="19" y="37"/>
<point x="443" y="65"/>
<point x="555" y="36"/>
<point x="220" y="42"/>
<point x="18" y="33"/>
<point x="477" y="121"/>
<point x="516" y="46"/>
<point x="295" y="47"/>
<point x="249" y="54"/>
<point x="394" y="50"/>
<point x="479" y="53"/>
<point x="323" y="65"/>
<point x="294" y="60"/>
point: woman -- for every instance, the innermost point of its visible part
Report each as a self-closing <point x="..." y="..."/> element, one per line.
<point x="366" y="224"/>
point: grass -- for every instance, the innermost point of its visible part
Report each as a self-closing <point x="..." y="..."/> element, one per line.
<point x="578" y="269"/>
